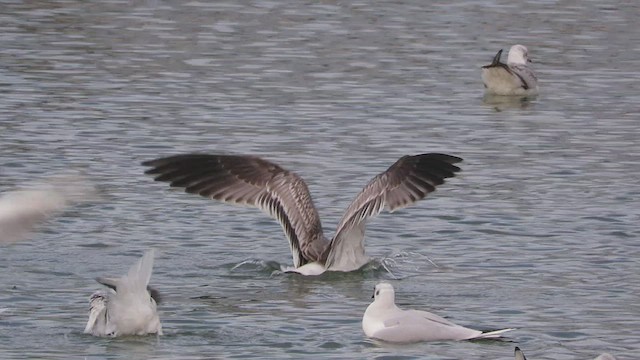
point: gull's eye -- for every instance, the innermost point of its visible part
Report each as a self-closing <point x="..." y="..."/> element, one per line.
<point x="377" y="292"/>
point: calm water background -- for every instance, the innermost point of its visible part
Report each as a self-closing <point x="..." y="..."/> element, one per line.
<point x="540" y="231"/>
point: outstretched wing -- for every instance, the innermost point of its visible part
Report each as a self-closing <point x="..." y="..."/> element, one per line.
<point x="249" y="180"/>
<point x="410" y="179"/>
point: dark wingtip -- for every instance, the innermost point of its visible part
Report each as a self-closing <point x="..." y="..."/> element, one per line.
<point x="157" y="165"/>
<point x="155" y="295"/>
<point x="496" y="60"/>
<point x="438" y="164"/>
<point x="106" y="282"/>
<point x="450" y="159"/>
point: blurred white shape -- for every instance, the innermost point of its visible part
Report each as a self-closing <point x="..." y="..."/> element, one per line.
<point x="21" y="210"/>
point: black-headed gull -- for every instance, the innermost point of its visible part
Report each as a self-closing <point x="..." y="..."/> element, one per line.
<point x="383" y="320"/>
<point x="513" y="78"/>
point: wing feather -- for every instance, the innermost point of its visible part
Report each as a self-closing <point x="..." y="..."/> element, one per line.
<point x="408" y="180"/>
<point x="252" y="181"/>
<point x="527" y="77"/>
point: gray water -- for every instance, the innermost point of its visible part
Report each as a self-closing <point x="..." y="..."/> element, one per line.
<point x="539" y="232"/>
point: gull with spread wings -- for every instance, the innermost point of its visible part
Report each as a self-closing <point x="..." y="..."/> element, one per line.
<point x="253" y="181"/>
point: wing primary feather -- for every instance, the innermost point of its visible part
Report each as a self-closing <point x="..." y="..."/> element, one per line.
<point x="249" y="180"/>
<point x="409" y="179"/>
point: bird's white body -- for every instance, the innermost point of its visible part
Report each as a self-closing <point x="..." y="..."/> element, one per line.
<point x="513" y="78"/>
<point x="383" y="320"/>
<point x="127" y="308"/>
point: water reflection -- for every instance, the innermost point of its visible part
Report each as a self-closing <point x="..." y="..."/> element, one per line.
<point x="502" y="103"/>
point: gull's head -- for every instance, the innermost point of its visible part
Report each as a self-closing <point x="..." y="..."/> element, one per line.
<point x="383" y="294"/>
<point x="519" y="55"/>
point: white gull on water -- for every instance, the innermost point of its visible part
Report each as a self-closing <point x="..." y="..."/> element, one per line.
<point x="252" y="181"/>
<point x="383" y="320"/>
<point x="128" y="307"/>
<point x="513" y="78"/>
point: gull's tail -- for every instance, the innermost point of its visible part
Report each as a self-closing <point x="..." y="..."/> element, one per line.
<point x="136" y="279"/>
<point x="492" y="334"/>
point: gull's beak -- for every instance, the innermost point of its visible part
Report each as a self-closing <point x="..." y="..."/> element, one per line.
<point x="373" y="296"/>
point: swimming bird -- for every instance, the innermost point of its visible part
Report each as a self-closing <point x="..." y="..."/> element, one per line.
<point x="253" y="181"/>
<point x="129" y="306"/>
<point x="22" y="210"/>
<point x="513" y="78"/>
<point x="383" y="320"/>
<point x="605" y="356"/>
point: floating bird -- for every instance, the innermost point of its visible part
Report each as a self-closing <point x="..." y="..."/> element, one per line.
<point x="21" y="210"/>
<point x="128" y="307"/>
<point x="383" y="320"/>
<point x="252" y="181"/>
<point x="513" y="78"/>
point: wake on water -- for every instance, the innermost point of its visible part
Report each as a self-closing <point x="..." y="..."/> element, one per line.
<point x="396" y="266"/>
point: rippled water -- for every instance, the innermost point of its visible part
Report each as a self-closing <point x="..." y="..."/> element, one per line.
<point x="540" y="232"/>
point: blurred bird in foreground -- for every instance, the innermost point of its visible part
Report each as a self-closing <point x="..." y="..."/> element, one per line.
<point x="22" y="210"/>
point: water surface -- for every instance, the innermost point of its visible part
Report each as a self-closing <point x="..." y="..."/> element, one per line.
<point x="540" y="231"/>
